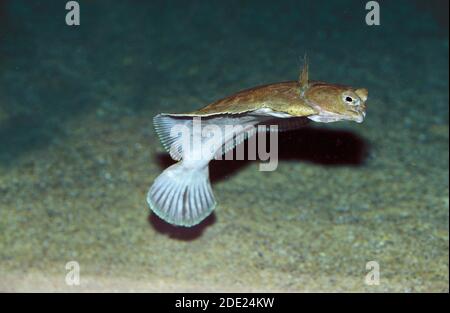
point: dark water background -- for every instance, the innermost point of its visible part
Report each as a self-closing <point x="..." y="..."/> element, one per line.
<point x="52" y="72"/>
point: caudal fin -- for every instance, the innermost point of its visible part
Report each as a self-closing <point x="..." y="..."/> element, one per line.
<point x="182" y="196"/>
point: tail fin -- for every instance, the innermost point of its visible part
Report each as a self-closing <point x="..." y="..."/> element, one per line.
<point x="181" y="195"/>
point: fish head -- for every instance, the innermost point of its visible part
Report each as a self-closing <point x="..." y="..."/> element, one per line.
<point x="336" y="102"/>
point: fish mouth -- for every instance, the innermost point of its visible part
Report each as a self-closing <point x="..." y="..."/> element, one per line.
<point x="358" y="115"/>
<point x="361" y="117"/>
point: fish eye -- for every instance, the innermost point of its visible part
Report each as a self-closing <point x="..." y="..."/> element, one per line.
<point x="351" y="100"/>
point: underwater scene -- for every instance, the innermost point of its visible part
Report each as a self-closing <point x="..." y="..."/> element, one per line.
<point x="94" y="198"/>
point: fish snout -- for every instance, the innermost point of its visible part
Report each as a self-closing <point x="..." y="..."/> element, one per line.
<point x="362" y="113"/>
<point x="358" y="114"/>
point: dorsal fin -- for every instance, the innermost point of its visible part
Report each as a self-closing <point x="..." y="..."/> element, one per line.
<point x="303" y="78"/>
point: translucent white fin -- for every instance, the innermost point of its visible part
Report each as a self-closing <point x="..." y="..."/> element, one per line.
<point x="236" y="140"/>
<point x="283" y="124"/>
<point x="163" y="125"/>
<point x="182" y="196"/>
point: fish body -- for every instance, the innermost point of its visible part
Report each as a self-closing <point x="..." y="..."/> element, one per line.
<point x="182" y="193"/>
<point x="280" y="97"/>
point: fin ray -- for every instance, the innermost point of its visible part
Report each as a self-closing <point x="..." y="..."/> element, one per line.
<point x="182" y="196"/>
<point x="163" y="125"/>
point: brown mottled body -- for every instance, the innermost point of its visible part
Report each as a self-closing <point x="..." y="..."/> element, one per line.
<point x="324" y="102"/>
<point x="280" y="97"/>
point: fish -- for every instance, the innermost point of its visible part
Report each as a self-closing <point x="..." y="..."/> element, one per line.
<point x="182" y="194"/>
